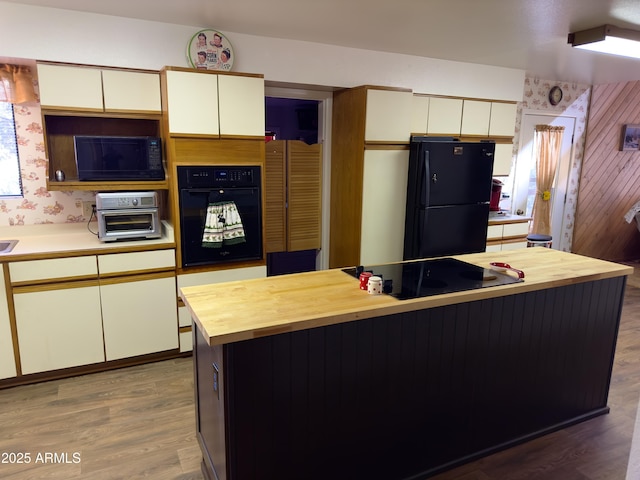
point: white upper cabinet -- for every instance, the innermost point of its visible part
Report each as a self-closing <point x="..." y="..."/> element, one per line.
<point x="99" y="90"/>
<point x="475" y="117"/>
<point x="70" y="87"/>
<point x="241" y="104"/>
<point x="125" y="91"/>
<point x="204" y="103"/>
<point x="388" y="116"/>
<point x="419" y="114"/>
<point x="192" y="102"/>
<point x="445" y="116"/>
<point x="502" y="159"/>
<point x="503" y="119"/>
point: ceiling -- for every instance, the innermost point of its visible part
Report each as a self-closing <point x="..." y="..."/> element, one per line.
<point x="525" y="34"/>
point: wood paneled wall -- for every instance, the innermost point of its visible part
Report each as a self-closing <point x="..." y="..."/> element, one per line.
<point x="610" y="178"/>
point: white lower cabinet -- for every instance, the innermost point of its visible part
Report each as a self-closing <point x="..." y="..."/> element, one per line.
<point x="139" y="317"/>
<point x="7" y="360"/>
<point x="59" y="327"/>
<point x="83" y="310"/>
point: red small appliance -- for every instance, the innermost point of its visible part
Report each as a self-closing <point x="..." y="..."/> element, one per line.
<point x="496" y="194"/>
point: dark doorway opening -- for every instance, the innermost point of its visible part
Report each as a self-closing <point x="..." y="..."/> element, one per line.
<point x="291" y="119"/>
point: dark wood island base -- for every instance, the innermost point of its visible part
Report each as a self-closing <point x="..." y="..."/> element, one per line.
<point x="409" y="394"/>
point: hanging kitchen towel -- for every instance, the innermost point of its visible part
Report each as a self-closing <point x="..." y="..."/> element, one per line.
<point x="629" y="216"/>
<point x="223" y="225"/>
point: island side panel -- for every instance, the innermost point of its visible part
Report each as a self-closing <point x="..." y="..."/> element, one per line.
<point x="413" y="394"/>
<point x="209" y="380"/>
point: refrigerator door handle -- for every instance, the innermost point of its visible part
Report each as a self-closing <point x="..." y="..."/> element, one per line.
<point x="424" y="181"/>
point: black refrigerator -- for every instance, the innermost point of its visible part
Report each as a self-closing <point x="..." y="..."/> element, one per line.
<point x="448" y="194"/>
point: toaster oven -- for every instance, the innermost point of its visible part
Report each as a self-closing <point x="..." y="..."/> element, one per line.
<point x="127" y="216"/>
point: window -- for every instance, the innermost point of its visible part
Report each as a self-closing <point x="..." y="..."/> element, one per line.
<point x="10" y="184"/>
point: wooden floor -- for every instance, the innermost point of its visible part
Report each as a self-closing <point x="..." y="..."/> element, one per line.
<point x="139" y="422"/>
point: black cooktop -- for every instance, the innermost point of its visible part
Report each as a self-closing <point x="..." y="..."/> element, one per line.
<point x="424" y="278"/>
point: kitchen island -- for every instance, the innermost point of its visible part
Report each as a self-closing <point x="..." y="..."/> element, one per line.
<point x="307" y="376"/>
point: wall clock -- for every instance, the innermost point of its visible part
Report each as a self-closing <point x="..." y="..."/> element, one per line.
<point x="555" y="95"/>
<point x="210" y="50"/>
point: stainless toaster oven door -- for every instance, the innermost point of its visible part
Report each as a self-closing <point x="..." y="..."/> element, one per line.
<point x="128" y="224"/>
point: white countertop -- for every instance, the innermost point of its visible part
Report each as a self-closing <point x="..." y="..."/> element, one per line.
<point x="70" y="239"/>
<point x="506" y="217"/>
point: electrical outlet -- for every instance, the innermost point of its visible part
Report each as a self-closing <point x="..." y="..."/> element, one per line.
<point x="87" y="208"/>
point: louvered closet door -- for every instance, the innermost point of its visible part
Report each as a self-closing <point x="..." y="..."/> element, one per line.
<point x="275" y="197"/>
<point x="304" y="212"/>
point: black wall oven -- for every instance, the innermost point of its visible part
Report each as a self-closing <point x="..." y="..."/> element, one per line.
<point x="220" y="214"/>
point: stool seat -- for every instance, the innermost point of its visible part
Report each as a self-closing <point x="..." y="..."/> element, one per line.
<point x="536" y="237"/>
<point x="538" y="240"/>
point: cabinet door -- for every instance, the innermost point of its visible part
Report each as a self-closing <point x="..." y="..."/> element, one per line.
<point x="7" y="361"/>
<point x="502" y="158"/>
<point x="383" y="206"/>
<point x="388" y="116"/>
<point x="419" y="114"/>
<point x="192" y="102"/>
<point x="445" y="116"/>
<point x="76" y="88"/>
<point x="59" y="327"/>
<point x="131" y="91"/>
<point x="475" y="117"/>
<point x="275" y="193"/>
<point x="503" y="119"/>
<point x="139" y="317"/>
<point x="304" y="196"/>
<point x="241" y="105"/>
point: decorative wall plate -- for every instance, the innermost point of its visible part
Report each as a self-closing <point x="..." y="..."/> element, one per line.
<point x="210" y="50"/>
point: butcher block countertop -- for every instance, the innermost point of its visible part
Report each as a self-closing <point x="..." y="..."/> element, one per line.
<point x="241" y="310"/>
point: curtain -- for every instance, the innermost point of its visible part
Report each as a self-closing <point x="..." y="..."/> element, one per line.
<point x="547" y="145"/>
<point x="16" y="84"/>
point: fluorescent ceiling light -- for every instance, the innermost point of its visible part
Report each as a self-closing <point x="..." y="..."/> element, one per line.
<point x="608" y="39"/>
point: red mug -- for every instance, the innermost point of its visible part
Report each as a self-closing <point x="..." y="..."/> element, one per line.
<point x="364" y="280"/>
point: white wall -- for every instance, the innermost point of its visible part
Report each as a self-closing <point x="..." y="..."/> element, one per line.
<point x="40" y="33"/>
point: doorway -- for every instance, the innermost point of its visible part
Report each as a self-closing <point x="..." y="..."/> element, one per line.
<point x="524" y="188"/>
<point x="301" y="114"/>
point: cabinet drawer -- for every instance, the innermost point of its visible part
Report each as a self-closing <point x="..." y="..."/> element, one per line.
<point x="494" y="232"/>
<point x="53" y="269"/>
<point x="516" y="229"/>
<point x="136" y="261"/>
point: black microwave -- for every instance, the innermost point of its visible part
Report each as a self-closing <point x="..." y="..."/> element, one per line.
<point x="118" y="158"/>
